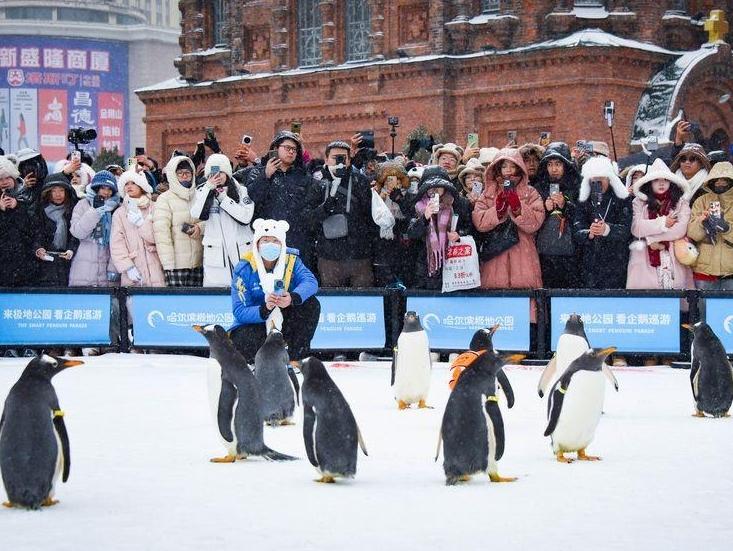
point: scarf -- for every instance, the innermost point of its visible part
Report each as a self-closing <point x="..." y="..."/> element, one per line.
<point x="663" y="209"/>
<point x="56" y="214"/>
<point x="694" y="183"/>
<point x="103" y="231"/>
<point x="437" y="242"/>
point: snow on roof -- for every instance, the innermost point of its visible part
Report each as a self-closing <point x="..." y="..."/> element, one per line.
<point x="585" y="38"/>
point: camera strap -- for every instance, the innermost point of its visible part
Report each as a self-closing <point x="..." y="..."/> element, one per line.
<point x="345" y="191"/>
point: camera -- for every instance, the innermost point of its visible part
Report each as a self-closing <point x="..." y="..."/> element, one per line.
<point x="367" y="139"/>
<point x="296" y="127"/>
<point x="80" y="135"/>
<point x="246" y="140"/>
<point x="507" y="184"/>
<point x="340" y="159"/>
<point x="279" y="288"/>
<point x="393" y="121"/>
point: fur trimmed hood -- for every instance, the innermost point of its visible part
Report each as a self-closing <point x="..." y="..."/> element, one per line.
<point x="659" y="170"/>
<point x="602" y="167"/>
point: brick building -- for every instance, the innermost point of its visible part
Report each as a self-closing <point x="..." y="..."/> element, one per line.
<point x="339" y="66"/>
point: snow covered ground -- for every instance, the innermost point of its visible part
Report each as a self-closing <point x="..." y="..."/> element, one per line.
<point x="141" y="436"/>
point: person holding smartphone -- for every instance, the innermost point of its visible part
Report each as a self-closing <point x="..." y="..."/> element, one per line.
<point x="33" y="170"/>
<point x="225" y="207"/>
<point x="558" y="185"/>
<point x="710" y="227"/>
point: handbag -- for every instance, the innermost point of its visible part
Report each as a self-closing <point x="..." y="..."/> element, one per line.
<point x="496" y="241"/>
<point x="461" y="267"/>
<point x="336" y="226"/>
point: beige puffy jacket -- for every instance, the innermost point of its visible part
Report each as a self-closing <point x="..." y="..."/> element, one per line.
<point x="176" y="249"/>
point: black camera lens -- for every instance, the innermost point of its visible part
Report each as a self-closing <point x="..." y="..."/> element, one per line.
<point x="393" y="121"/>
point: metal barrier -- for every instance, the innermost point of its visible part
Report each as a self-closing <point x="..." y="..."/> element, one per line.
<point x="638" y="321"/>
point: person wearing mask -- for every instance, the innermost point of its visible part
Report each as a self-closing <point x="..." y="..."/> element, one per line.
<point x="16" y="228"/>
<point x="178" y="235"/>
<point x="441" y="217"/>
<point x="558" y="183"/>
<point x="91" y="224"/>
<point x="132" y="245"/>
<point x="693" y="165"/>
<point x="273" y="289"/>
<point x="342" y="221"/>
<point x="54" y="244"/>
<point x="602" y="225"/>
<point x="225" y="207"/>
<point x="508" y="197"/>
<point x="710" y="227"/>
<point x="661" y="215"/>
<point x="280" y="187"/>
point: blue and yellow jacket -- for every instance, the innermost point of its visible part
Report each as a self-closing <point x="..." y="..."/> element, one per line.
<point x="248" y="298"/>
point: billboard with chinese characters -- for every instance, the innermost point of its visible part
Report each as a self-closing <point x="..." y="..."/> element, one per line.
<point x="631" y="324"/>
<point x="48" y="85"/>
<point x="450" y="321"/>
<point x="350" y="322"/>
<point x="719" y="316"/>
<point x="54" y="319"/>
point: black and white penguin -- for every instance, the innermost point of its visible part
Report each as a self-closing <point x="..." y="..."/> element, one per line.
<point x="239" y="415"/>
<point x="411" y="364"/>
<point x="711" y="374"/>
<point x="472" y="431"/>
<point x="330" y="432"/>
<point x="276" y="387"/>
<point x="34" y="444"/>
<point x="571" y="344"/>
<point x="575" y="405"/>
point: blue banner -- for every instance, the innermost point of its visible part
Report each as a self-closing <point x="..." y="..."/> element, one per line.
<point x="719" y="316"/>
<point x="450" y="322"/>
<point x="166" y="320"/>
<point x="350" y="322"/>
<point x="54" y="319"/>
<point x="631" y="324"/>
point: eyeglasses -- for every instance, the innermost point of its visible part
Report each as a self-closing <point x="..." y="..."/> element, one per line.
<point x="689" y="160"/>
<point x="183" y="173"/>
<point x="289" y="148"/>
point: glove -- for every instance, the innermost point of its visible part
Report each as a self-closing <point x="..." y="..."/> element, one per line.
<point x="135" y="217"/>
<point x="212" y="144"/>
<point x="330" y="204"/>
<point x="96" y="200"/>
<point x="134" y="275"/>
<point x="714" y="225"/>
<point x="395" y="195"/>
<point x="501" y="204"/>
<point x="513" y="199"/>
<point x="169" y="278"/>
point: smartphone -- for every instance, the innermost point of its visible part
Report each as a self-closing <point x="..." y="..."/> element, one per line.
<point x="367" y="139"/>
<point x="139" y="151"/>
<point x="76" y="155"/>
<point x="715" y="208"/>
<point x="296" y="126"/>
<point x="507" y="184"/>
<point x="210" y="133"/>
<point x="544" y="138"/>
<point x="477" y="187"/>
<point x="435" y="200"/>
<point x="272" y="154"/>
<point x="512" y="135"/>
<point x="216" y="169"/>
<point x="554" y="188"/>
<point x="97" y="202"/>
<point x="246" y="140"/>
<point x="131" y="163"/>
<point x="472" y="140"/>
<point x="279" y="287"/>
<point x="186" y="227"/>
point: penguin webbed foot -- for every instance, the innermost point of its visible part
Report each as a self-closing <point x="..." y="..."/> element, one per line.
<point x="402" y="405"/>
<point x="698" y="413"/>
<point x="583" y="457"/>
<point x="494" y="477"/>
<point x="225" y="459"/>
<point x="560" y="457"/>
<point x="422" y="405"/>
<point x="326" y="479"/>
<point x="49" y="502"/>
<point x="8" y="504"/>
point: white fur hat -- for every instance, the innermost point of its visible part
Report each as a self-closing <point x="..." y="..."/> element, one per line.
<point x="275" y="228"/>
<point x="486" y="155"/>
<point x="659" y="170"/>
<point x="8" y="168"/>
<point x="450" y="149"/>
<point x="137" y="178"/>
<point x="222" y="161"/>
<point x="601" y="167"/>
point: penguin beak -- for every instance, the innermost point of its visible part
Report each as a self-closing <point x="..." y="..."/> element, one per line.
<point x="605" y="352"/>
<point x="197" y="328"/>
<point x="71" y="363"/>
<point x="687" y="326"/>
<point x="514" y="358"/>
<point x="494" y="328"/>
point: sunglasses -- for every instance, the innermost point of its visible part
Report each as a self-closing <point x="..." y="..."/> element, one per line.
<point x="689" y="160"/>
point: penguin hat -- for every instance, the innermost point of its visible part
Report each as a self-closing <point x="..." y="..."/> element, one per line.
<point x="711" y="374"/>
<point x="472" y="430"/>
<point x="330" y="432"/>
<point x="239" y="411"/>
<point x="278" y="383"/>
<point x="571" y="344"/>
<point x="34" y="444"/>
<point x="411" y="364"/>
<point x="575" y="405"/>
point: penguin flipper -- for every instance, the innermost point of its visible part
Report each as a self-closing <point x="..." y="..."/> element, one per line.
<point x="394" y="364"/>
<point x="497" y="425"/>
<point x="227" y="398"/>
<point x="295" y="383"/>
<point x="696" y="385"/>
<point x="506" y="387"/>
<point x="440" y="441"/>
<point x="694" y="370"/>
<point x="555" y="406"/>
<point x="361" y="441"/>
<point x="60" y="426"/>
<point x="610" y="376"/>
<point x="309" y="421"/>
<point x="547" y="375"/>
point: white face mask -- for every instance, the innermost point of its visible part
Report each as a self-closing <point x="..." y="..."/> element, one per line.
<point x="270" y="251"/>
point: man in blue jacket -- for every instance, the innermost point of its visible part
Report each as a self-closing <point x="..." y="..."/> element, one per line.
<point x="272" y="288"/>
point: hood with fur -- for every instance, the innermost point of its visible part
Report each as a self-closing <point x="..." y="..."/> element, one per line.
<point x="602" y="167"/>
<point x="173" y="184"/>
<point x="659" y="170"/>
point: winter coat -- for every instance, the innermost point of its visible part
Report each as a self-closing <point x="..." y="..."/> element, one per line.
<point x="363" y="232"/>
<point x="92" y="260"/>
<point x="519" y="266"/>
<point x="176" y="249"/>
<point x="56" y="273"/>
<point x="248" y="298"/>
<point x="715" y="260"/>
<point x="227" y="233"/>
<point x="418" y="232"/>
<point x="131" y="245"/>
<point x="17" y="255"/>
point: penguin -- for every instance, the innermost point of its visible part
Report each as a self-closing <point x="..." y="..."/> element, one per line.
<point x="271" y="372"/>
<point x="239" y="414"/>
<point x="482" y="340"/>
<point x="330" y="431"/>
<point x="575" y="405"/>
<point x="411" y="364"/>
<point x="711" y="374"/>
<point x="472" y="430"/>
<point x="34" y="444"/>
<point x="571" y="344"/>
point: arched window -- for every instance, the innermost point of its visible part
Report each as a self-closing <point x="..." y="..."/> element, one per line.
<point x="309" y="33"/>
<point x="357" y="30"/>
<point x="217" y="9"/>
